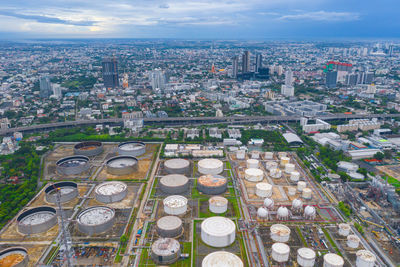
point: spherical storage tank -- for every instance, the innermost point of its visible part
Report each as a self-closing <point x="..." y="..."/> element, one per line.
<point x="294" y="176"/>
<point x="365" y="258"/>
<point x="283" y="213"/>
<point x="353" y="241"/>
<point x="307" y="193"/>
<point x="68" y="191"/>
<point x="262" y="213"/>
<point x="174" y="183"/>
<point x="175" y="205"/>
<point x="132" y="148"/>
<point x="263" y="189"/>
<point x="344" y="229"/>
<point x="165" y="251"/>
<point x="210" y="166"/>
<point x="280" y="252"/>
<point x="306" y="257"/>
<point x="14" y="257"/>
<point x="218" y="204"/>
<point x="333" y="260"/>
<point x="72" y="165"/>
<point x="253" y="175"/>
<point x="252" y="163"/>
<point x="95" y="220"/>
<point x="88" y="148"/>
<point x="222" y="259"/>
<point x="37" y="220"/>
<point x="122" y="165"/>
<point x="169" y="226"/>
<point x="218" y="231"/>
<point x="297" y="205"/>
<point x="177" y="166"/>
<point x="269" y="203"/>
<point x="310" y="213"/>
<point x="280" y="233"/>
<point x="109" y="192"/>
<point x="212" y="184"/>
<point x="289" y="168"/>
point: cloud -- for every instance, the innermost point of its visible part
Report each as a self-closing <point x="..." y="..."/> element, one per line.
<point x="322" y="16"/>
<point x="166" y="6"/>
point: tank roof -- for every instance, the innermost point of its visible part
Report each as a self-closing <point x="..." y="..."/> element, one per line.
<point x="169" y="222"/>
<point x="212" y="180"/>
<point x="96" y="215"/>
<point x="110" y="188"/>
<point x="165" y="246"/>
<point x="218" y="226"/>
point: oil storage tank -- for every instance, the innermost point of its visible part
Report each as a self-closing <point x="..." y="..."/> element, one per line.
<point x="174" y="184"/>
<point x="333" y="260"/>
<point x="280" y="252"/>
<point x="218" y="204"/>
<point x="175" y="205"/>
<point x="253" y="175"/>
<point x="37" y="220"/>
<point x="218" y="231"/>
<point x="68" y="191"/>
<point x="210" y="166"/>
<point x="72" y="165"/>
<point x="122" y="165"/>
<point x="109" y="192"/>
<point x="96" y="220"/>
<point x="306" y="257"/>
<point x="212" y="184"/>
<point x="252" y="163"/>
<point x="280" y="233"/>
<point x="365" y="258"/>
<point x="169" y="226"/>
<point x="353" y="241"/>
<point x="263" y="190"/>
<point x="177" y="166"/>
<point x="132" y="148"/>
<point x="14" y="257"/>
<point x="222" y="259"/>
<point x="344" y="229"/>
<point x="88" y="148"/>
<point x="165" y="251"/>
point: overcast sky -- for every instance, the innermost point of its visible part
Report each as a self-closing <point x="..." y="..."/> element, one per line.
<point x="223" y="19"/>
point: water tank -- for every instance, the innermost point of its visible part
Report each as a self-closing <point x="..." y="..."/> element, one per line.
<point x="218" y="204"/>
<point x="344" y="229"/>
<point x="240" y="154"/>
<point x="177" y="166"/>
<point x="165" y="251"/>
<point x="280" y="252"/>
<point x="253" y="175"/>
<point x="169" y="226"/>
<point x="210" y="166"/>
<point x="263" y="190"/>
<point x="283" y="213"/>
<point x="294" y="176"/>
<point x="306" y="257"/>
<point x="262" y="213"/>
<point x="289" y="168"/>
<point x="175" y="205"/>
<point x="218" y="231"/>
<point x="307" y="193"/>
<point x="255" y="155"/>
<point x="275" y="173"/>
<point x="222" y="259"/>
<point x="353" y="241"/>
<point x="268" y="155"/>
<point x="365" y="258"/>
<point x="269" y="203"/>
<point x="333" y="260"/>
<point x="291" y="191"/>
<point x="310" y="213"/>
<point x="280" y="233"/>
<point x="297" y="205"/>
<point x="301" y="185"/>
<point x="271" y="165"/>
<point x="252" y="163"/>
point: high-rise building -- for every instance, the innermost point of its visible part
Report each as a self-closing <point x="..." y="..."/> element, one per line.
<point x="45" y="87"/>
<point x="289" y="77"/>
<point x="57" y="91"/>
<point x="110" y="72"/>
<point x="235" y="66"/>
<point x="246" y="62"/>
<point x="157" y="79"/>
<point x="331" y="79"/>
<point x="258" y="64"/>
<point x="287" y="89"/>
<point x="390" y="50"/>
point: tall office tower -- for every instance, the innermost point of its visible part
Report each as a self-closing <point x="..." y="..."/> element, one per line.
<point x="235" y="66"/>
<point x="289" y="77"/>
<point x="287" y="89"/>
<point x="331" y="79"/>
<point x="157" y="79"/>
<point x="246" y="62"/>
<point x="110" y="72"/>
<point x="390" y="50"/>
<point x="365" y="52"/>
<point x="368" y="77"/>
<point x="57" y="91"/>
<point x="45" y="87"/>
<point x="351" y="79"/>
<point x="258" y="64"/>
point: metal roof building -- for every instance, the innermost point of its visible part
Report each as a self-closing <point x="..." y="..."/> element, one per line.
<point x="292" y="139"/>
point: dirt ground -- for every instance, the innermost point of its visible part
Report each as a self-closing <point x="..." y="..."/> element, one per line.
<point x="126" y="203"/>
<point x="12" y="234"/>
<point x="391" y="170"/>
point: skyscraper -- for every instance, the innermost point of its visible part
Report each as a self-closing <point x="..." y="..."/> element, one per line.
<point x="246" y="62"/>
<point x="289" y="77"/>
<point x="110" y="72"/>
<point x="235" y="66"/>
<point x="157" y="79"/>
<point x="331" y="79"/>
<point x="258" y="64"/>
<point x="287" y="89"/>
<point x="45" y="87"/>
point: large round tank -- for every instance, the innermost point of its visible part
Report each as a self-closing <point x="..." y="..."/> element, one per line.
<point x="109" y="192"/>
<point x="344" y="229"/>
<point x="269" y="203"/>
<point x="310" y="213"/>
<point x="88" y="148"/>
<point x="280" y="233"/>
<point x="282" y="154"/>
<point x="283" y="213"/>
<point x="301" y="185"/>
<point x="177" y="166"/>
<point x="297" y="205"/>
<point x="252" y="163"/>
<point x="270" y="165"/>
<point x="212" y="184"/>
<point x="174" y="184"/>
<point x="240" y="154"/>
<point x="14" y="257"/>
<point x="291" y="191"/>
<point x="289" y="168"/>
<point x="165" y="251"/>
<point x="221" y="259"/>
<point x="218" y="204"/>
<point x="280" y="252"/>
<point x="365" y="258"/>
<point x="72" y="165"/>
<point x="306" y="193"/>
<point x="131" y="148"/>
<point x="275" y="173"/>
<point x="175" y="205"/>
<point x="253" y="175"/>
<point x="263" y="190"/>
<point x="306" y="257"/>
<point x="210" y="166"/>
<point x="255" y="155"/>
<point x="269" y="155"/>
<point x="218" y="231"/>
<point x="96" y="220"/>
<point x="169" y="226"/>
<point x="122" y="165"/>
<point x="262" y="213"/>
<point x="37" y="220"/>
<point x="294" y="176"/>
<point x="68" y="191"/>
<point x="284" y="161"/>
<point x="353" y="241"/>
<point x="333" y="260"/>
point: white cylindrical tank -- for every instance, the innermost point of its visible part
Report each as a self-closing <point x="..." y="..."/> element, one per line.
<point x="240" y="154"/>
<point x="294" y="176"/>
<point x="344" y="229"/>
<point x="263" y="190"/>
<point x="306" y="257"/>
<point x="175" y="205"/>
<point x="252" y="163"/>
<point x="275" y="173"/>
<point x="291" y="191"/>
<point x="210" y="166"/>
<point x="353" y="241"/>
<point x="253" y="175"/>
<point x="310" y="213"/>
<point x="218" y="204"/>
<point x="270" y="165"/>
<point x="268" y="155"/>
<point x="218" y="231"/>
<point x="282" y="154"/>
<point x="280" y="233"/>
<point x="262" y="213"/>
<point x="280" y="252"/>
<point x="307" y="193"/>
<point x="365" y="258"/>
<point x="301" y="185"/>
<point x="333" y="260"/>
<point x="221" y="259"/>
<point x="297" y="205"/>
<point x="289" y="168"/>
<point x="269" y="203"/>
<point x="255" y="155"/>
<point x="284" y="161"/>
<point x="283" y="213"/>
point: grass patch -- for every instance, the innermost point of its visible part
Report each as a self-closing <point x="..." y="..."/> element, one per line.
<point x="328" y="236"/>
<point x="301" y="236"/>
